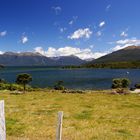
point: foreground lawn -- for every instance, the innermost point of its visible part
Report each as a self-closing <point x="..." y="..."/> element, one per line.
<point x="90" y="116"/>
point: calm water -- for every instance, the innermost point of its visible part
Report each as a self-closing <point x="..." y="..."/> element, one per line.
<point x="75" y="78"/>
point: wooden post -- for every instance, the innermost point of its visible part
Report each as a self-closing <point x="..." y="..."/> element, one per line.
<point x="59" y="126"/>
<point x="2" y="122"/>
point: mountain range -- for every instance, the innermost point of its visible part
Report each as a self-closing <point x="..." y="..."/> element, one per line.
<point x="36" y="59"/>
<point x="129" y="56"/>
<point x="130" y="53"/>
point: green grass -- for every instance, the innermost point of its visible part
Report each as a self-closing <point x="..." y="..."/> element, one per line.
<point x="90" y="116"/>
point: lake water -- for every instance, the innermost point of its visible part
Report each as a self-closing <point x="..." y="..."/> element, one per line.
<point x="73" y="78"/>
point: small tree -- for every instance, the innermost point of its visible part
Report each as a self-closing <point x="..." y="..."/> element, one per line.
<point x="120" y="83"/>
<point x="116" y="83"/>
<point x="23" y="79"/>
<point x="125" y="83"/>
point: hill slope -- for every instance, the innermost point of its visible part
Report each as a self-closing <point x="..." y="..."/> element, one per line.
<point x="131" y="53"/>
<point x="127" y="57"/>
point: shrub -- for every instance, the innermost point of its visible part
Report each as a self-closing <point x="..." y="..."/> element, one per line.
<point x="116" y="83"/>
<point x="59" y="85"/>
<point x="120" y="83"/>
<point x="125" y="83"/>
<point x="13" y="87"/>
<point x="137" y="86"/>
<point x="2" y="81"/>
<point x="4" y="86"/>
<point x="73" y="91"/>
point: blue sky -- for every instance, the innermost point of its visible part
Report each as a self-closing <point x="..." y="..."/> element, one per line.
<point x="85" y="28"/>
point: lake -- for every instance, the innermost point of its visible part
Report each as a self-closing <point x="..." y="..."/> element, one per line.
<point x="73" y="78"/>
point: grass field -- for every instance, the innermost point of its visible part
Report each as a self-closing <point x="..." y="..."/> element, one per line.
<point x="90" y="116"/>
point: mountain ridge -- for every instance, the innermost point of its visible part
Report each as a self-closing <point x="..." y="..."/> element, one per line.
<point x="37" y="59"/>
<point x="130" y="53"/>
<point x="128" y="57"/>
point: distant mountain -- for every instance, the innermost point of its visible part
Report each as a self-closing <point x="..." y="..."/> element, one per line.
<point x="69" y="60"/>
<point x="127" y="57"/>
<point x="36" y="59"/>
<point x="90" y="59"/>
<point x="131" y="53"/>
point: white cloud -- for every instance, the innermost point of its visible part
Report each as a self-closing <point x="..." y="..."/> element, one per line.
<point x="91" y="46"/>
<point x="102" y="24"/>
<point x="81" y="33"/>
<point x="1" y="52"/>
<point x="99" y="33"/>
<point x="133" y="41"/>
<point x="73" y="20"/>
<point x="24" y="39"/>
<point x="123" y="34"/>
<point x="3" y="33"/>
<point x="39" y="50"/>
<point x="68" y="50"/>
<point x="62" y="29"/>
<point x="108" y="7"/>
<point x="121" y="44"/>
<point x="57" y="9"/>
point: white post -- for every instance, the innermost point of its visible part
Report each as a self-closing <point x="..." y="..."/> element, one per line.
<point x="2" y="122"/>
<point x="59" y="126"/>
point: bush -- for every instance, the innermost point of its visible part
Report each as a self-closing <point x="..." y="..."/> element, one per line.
<point x="59" y="85"/>
<point x="116" y="83"/>
<point x="137" y="86"/>
<point x="125" y="82"/>
<point x="73" y="91"/>
<point x="4" y="86"/>
<point x="13" y="87"/>
<point x="2" y="81"/>
<point x="120" y="83"/>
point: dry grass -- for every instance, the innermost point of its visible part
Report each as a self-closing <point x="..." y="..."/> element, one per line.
<point x="90" y="116"/>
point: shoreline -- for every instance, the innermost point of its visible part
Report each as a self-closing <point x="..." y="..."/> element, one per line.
<point x="73" y="91"/>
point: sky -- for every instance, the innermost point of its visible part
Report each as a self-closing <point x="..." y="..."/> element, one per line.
<point x="84" y="28"/>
